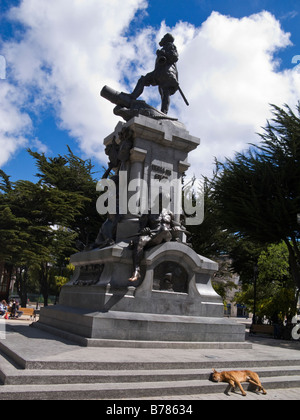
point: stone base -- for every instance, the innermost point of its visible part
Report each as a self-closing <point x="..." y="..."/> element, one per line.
<point x="141" y="327"/>
<point x="101" y="282"/>
<point x="173" y="300"/>
<point x="101" y="303"/>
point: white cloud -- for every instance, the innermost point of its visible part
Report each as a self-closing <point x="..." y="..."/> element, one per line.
<point x="39" y="146"/>
<point x="72" y="48"/>
<point x="15" y="124"/>
<point x="230" y="76"/>
<point x="69" y="50"/>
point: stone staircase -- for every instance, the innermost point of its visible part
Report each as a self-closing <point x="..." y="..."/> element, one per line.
<point x="81" y="381"/>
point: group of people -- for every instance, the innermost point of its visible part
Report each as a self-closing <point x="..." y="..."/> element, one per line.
<point x="10" y="310"/>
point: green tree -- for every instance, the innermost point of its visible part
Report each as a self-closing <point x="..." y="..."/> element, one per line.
<point x="276" y="294"/>
<point x="40" y="222"/>
<point x="258" y="192"/>
<point x="210" y="238"/>
<point x="273" y="263"/>
<point x="33" y="230"/>
<point x="74" y="175"/>
<point x="63" y="276"/>
<point x="12" y="228"/>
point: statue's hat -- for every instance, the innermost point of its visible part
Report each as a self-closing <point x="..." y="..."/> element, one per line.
<point x="167" y="38"/>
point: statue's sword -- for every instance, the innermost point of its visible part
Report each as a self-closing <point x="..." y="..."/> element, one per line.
<point x="183" y="96"/>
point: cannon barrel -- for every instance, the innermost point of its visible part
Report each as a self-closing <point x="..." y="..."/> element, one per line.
<point x="117" y="98"/>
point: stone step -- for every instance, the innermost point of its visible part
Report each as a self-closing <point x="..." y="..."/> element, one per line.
<point x="92" y="342"/>
<point x="44" y="377"/>
<point x="134" y="380"/>
<point x="66" y="365"/>
<point x="129" y="390"/>
<point x="25" y="358"/>
<point x="36" y="365"/>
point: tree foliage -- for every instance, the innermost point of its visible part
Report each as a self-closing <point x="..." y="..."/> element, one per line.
<point x="71" y="174"/>
<point x="211" y="238"/>
<point x="40" y="222"/>
<point x="276" y="294"/>
<point x="258" y="191"/>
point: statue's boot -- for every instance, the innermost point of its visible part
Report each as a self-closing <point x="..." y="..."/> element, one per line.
<point x="139" y="89"/>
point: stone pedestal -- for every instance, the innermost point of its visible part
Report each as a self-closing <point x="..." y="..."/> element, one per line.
<point x="159" y="152"/>
<point x="100" y="302"/>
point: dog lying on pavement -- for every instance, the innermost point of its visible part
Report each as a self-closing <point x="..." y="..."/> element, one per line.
<point x="236" y="377"/>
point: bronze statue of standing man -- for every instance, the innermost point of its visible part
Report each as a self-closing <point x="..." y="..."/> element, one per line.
<point x="165" y="74"/>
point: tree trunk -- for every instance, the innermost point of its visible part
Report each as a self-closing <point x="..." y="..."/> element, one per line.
<point x="22" y="280"/>
<point x="294" y="262"/>
<point x="44" y="282"/>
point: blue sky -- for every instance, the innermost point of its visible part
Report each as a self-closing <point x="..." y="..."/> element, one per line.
<point x="197" y="11"/>
<point x="60" y="53"/>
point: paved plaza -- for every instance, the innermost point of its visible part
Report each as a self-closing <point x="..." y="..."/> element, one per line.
<point x="290" y="394"/>
<point x="40" y="356"/>
<point x="279" y="394"/>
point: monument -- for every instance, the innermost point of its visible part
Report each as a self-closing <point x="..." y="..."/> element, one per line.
<point x="141" y="281"/>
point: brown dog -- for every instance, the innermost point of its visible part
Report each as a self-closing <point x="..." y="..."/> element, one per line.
<point x="236" y="377"/>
